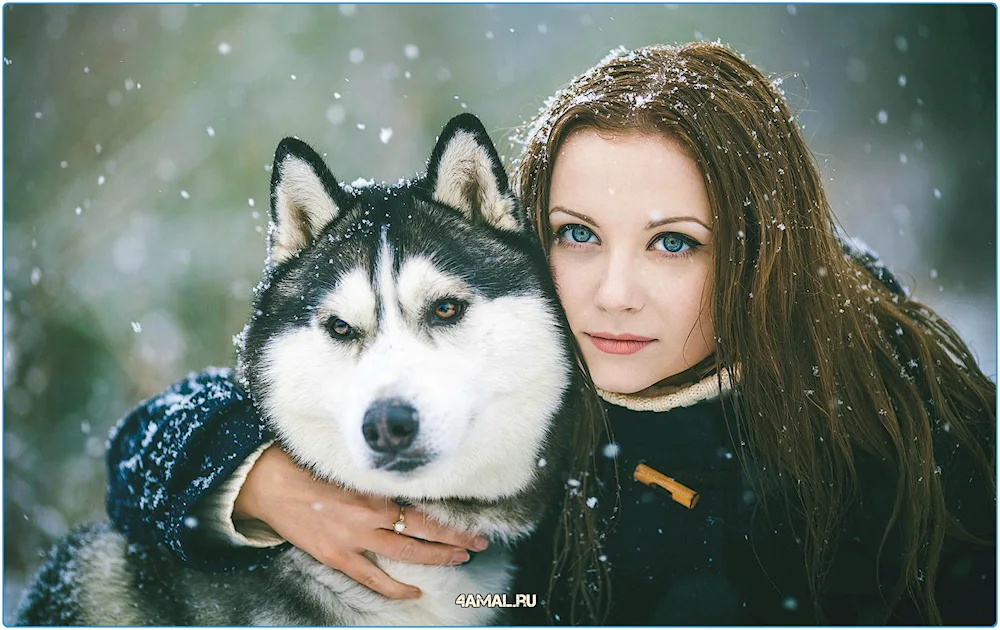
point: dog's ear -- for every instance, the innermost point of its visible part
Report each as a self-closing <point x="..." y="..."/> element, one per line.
<point x="305" y="197"/>
<point x="465" y="173"/>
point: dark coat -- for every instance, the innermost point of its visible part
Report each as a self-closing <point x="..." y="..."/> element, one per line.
<point x="736" y="559"/>
<point x="731" y="560"/>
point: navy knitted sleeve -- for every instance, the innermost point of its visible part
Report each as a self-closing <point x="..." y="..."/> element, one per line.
<point x="169" y="452"/>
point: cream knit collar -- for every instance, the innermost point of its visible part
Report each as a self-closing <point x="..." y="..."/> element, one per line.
<point x="705" y="389"/>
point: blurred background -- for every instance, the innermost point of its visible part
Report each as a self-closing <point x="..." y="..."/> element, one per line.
<point x="138" y="138"/>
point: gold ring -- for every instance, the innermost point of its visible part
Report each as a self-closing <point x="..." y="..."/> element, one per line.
<point x="400" y="525"/>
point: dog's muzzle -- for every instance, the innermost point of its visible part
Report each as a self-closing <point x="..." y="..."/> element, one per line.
<point x="390" y="426"/>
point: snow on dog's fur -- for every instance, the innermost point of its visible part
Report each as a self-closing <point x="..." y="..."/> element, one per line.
<point x="406" y="342"/>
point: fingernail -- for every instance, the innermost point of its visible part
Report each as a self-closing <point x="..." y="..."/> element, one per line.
<point x="460" y="557"/>
<point x="472" y="557"/>
<point x="479" y="543"/>
<point x="413" y="594"/>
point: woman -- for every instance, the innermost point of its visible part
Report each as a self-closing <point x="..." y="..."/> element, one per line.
<point x="839" y="435"/>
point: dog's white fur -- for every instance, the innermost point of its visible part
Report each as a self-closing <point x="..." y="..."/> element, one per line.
<point x="490" y="573"/>
<point x="321" y="388"/>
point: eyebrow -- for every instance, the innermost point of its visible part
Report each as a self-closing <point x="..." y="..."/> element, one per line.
<point x="649" y="226"/>
<point x="575" y="214"/>
<point x="658" y="223"/>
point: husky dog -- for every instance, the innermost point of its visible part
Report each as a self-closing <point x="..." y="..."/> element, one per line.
<point x="406" y="342"/>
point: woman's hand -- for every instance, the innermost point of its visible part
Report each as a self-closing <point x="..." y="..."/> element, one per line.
<point x="335" y="525"/>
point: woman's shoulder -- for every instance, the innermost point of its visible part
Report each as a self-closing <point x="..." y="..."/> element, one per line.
<point x="861" y="254"/>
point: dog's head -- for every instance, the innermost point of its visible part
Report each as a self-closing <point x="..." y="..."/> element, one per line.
<point x="406" y="339"/>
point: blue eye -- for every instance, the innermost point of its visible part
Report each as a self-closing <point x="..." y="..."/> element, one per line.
<point x="576" y="233"/>
<point x="675" y="243"/>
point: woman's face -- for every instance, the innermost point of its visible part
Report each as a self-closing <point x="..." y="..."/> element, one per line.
<point x="632" y="256"/>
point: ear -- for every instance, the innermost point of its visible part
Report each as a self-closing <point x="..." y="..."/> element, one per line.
<point x="304" y="199"/>
<point x="465" y="173"/>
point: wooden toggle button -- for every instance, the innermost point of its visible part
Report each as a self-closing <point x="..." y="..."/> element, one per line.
<point x="678" y="491"/>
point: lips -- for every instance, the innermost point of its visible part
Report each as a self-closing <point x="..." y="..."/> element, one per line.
<point x="618" y="344"/>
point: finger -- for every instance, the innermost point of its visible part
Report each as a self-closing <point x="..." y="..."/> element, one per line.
<point x="408" y="549"/>
<point x="419" y="525"/>
<point x="364" y="572"/>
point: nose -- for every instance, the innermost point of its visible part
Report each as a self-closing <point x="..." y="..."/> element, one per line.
<point x="619" y="288"/>
<point x="390" y="425"/>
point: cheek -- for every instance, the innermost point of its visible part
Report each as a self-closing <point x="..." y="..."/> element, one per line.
<point x="706" y="293"/>
<point x="702" y="309"/>
<point x="707" y="316"/>
<point x="688" y="298"/>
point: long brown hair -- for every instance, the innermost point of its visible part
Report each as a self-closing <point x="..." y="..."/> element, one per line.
<point x="830" y="362"/>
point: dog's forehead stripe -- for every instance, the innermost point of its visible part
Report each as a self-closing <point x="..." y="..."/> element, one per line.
<point x="385" y="283"/>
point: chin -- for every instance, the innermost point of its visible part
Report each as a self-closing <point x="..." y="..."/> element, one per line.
<point x="612" y="380"/>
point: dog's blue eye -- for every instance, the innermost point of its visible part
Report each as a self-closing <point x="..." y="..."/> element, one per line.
<point x="340" y="328"/>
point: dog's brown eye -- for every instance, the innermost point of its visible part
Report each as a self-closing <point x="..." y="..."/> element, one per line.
<point x="340" y="328"/>
<point x="447" y="310"/>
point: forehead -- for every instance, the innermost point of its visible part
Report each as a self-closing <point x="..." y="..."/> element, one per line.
<point x="365" y="301"/>
<point x="407" y="228"/>
<point x="627" y="175"/>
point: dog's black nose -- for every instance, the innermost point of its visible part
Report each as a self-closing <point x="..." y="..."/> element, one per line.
<point x="390" y="425"/>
